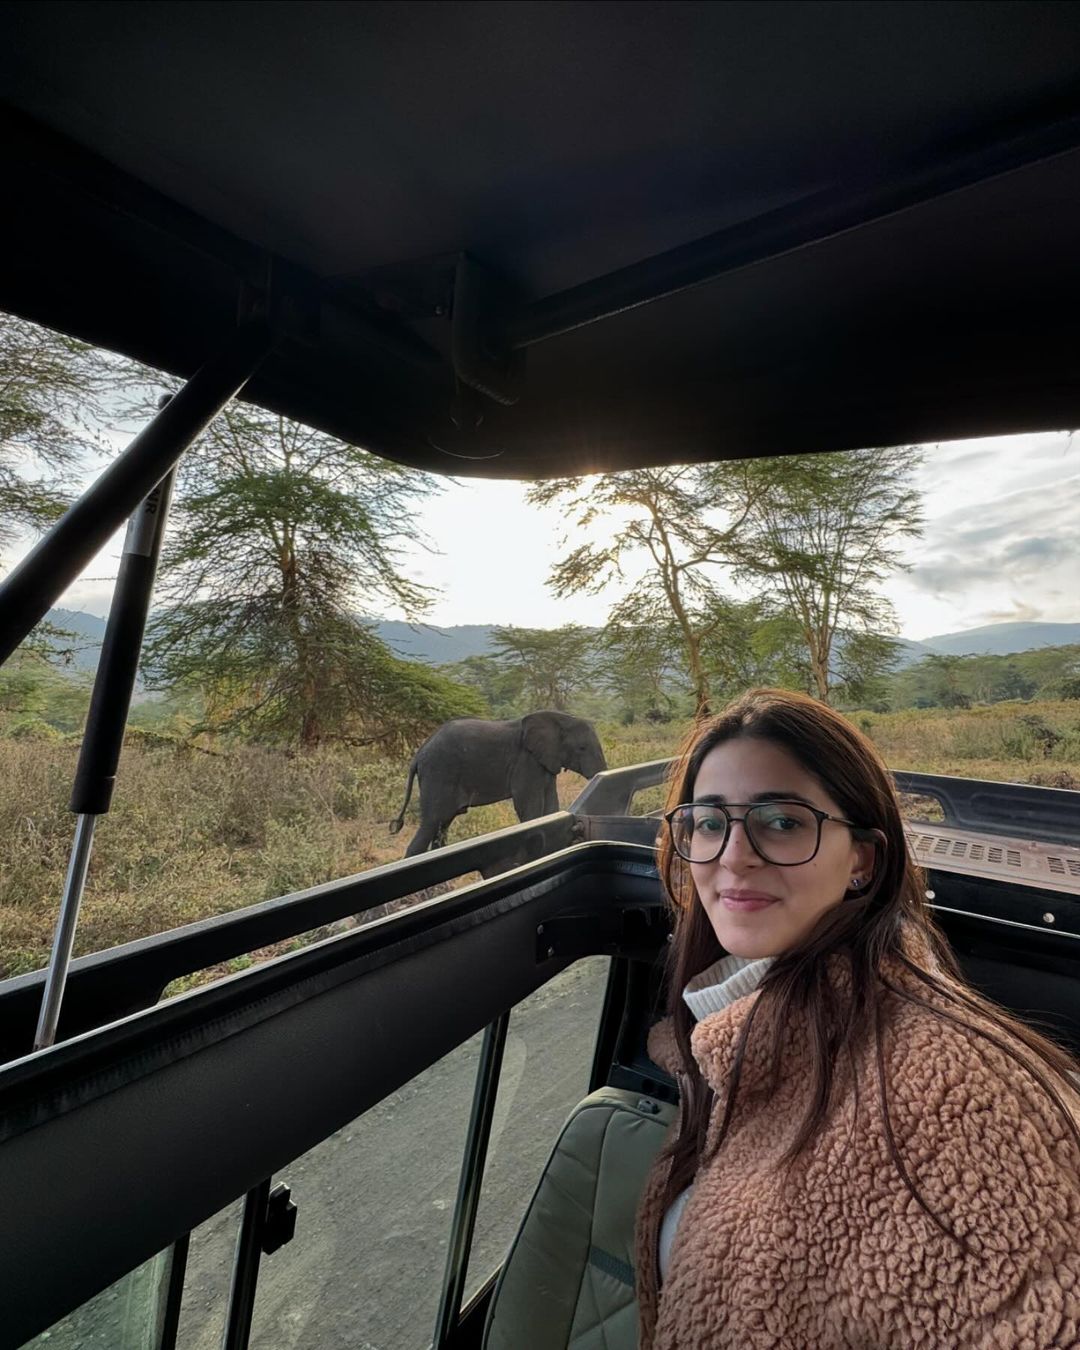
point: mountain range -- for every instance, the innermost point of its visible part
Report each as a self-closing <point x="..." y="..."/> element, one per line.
<point x="444" y="645"/>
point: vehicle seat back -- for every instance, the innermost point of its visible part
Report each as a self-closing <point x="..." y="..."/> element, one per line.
<point x="568" y="1279"/>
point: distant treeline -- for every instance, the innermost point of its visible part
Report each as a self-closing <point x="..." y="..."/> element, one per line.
<point x="963" y="681"/>
<point x="605" y="676"/>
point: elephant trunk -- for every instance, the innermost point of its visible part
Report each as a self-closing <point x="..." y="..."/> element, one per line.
<point x="593" y="764"/>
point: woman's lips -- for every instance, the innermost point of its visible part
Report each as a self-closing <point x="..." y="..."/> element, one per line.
<point x="743" y="902"/>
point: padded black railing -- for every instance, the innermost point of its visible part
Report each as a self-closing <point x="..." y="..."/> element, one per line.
<point x="1019" y="810"/>
<point x="113" y="983"/>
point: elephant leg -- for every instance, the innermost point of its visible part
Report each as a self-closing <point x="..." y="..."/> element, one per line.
<point x="431" y="834"/>
<point x="551" y="799"/>
<point x="530" y="798"/>
<point x="422" y="839"/>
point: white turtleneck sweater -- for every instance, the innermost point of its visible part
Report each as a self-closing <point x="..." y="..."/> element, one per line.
<point x="730" y="978"/>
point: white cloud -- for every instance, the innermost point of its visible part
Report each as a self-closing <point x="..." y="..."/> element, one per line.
<point x="1002" y="536"/>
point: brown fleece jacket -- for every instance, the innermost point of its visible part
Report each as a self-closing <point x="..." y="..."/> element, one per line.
<point x="842" y="1255"/>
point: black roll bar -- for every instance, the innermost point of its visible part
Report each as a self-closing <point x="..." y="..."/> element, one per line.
<point x="1051" y="815"/>
<point x="110" y="984"/>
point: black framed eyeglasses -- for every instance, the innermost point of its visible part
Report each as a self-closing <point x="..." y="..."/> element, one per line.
<point x="786" y="833"/>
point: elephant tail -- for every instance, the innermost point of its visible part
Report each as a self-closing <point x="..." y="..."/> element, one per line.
<point x="399" y="819"/>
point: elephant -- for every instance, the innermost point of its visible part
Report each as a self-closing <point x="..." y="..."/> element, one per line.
<point x="472" y="762"/>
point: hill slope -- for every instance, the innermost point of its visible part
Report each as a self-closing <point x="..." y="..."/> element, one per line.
<point x="1001" y="639"/>
<point x="433" y="644"/>
<point x="438" y="645"/>
<point x="88" y="632"/>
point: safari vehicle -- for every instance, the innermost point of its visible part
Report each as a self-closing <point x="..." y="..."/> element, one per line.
<point x="504" y="240"/>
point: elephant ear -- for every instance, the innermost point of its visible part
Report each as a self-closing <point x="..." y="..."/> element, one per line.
<point x="541" y="740"/>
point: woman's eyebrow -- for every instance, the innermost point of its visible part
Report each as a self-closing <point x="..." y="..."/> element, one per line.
<point x="717" y="799"/>
<point x="781" y="797"/>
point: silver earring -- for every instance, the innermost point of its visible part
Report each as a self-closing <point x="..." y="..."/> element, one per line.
<point x="856" y="883"/>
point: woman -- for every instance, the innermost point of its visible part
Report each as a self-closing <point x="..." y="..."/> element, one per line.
<point x="868" y="1152"/>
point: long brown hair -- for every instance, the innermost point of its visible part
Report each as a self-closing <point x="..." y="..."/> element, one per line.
<point x="889" y="919"/>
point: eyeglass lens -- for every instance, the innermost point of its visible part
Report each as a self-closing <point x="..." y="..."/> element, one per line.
<point x="782" y="832"/>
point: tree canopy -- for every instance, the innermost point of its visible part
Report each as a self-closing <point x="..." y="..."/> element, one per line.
<point x="552" y="663"/>
<point x="670" y="533"/>
<point x="825" y="531"/>
<point x="53" y="396"/>
<point x="283" y="536"/>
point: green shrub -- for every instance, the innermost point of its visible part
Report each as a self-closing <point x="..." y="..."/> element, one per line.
<point x="34" y="729"/>
<point x="296" y="855"/>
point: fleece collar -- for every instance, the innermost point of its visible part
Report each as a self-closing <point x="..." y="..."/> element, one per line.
<point x="713" y="1039"/>
<point x="718" y="986"/>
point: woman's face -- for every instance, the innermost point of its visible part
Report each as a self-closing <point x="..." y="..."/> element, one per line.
<point x="749" y="769"/>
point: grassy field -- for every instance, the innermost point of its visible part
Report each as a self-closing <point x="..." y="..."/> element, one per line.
<point x="193" y="834"/>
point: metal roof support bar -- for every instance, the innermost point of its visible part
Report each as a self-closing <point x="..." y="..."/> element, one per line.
<point x="54" y="563"/>
<point x="170" y="1320"/>
<point x="99" y="754"/>
<point x="810" y="220"/>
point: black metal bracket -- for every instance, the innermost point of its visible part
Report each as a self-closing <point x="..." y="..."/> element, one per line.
<point x="481" y="299"/>
<point x="279" y="1222"/>
<point x="276" y="293"/>
<point x="634" y="932"/>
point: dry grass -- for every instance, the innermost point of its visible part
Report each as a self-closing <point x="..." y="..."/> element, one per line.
<point x="192" y="835"/>
<point x="1007" y="742"/>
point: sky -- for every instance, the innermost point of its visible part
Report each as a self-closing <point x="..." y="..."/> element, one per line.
<point x="1001" y="542"/>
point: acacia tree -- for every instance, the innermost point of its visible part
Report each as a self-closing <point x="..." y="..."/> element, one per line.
<point x="755" y="642"/>
<point x="53" y="395"/>
<point x="282" y="533"/>
<point x="639" y="664"/>
<point x="500" y="686"/>
<point x="946" y="675"/>
<point x="826" y="530"/>
<point x="552" y="662"/>
<point x="681" y="523"/>
<point x="862" y="665"/>
<point x="56" y="394"/>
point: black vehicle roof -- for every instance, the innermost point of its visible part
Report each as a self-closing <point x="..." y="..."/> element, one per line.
<point x="888" y="194"/>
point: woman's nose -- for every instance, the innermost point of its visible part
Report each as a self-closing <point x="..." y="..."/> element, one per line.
<point x="739" y="852"/>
